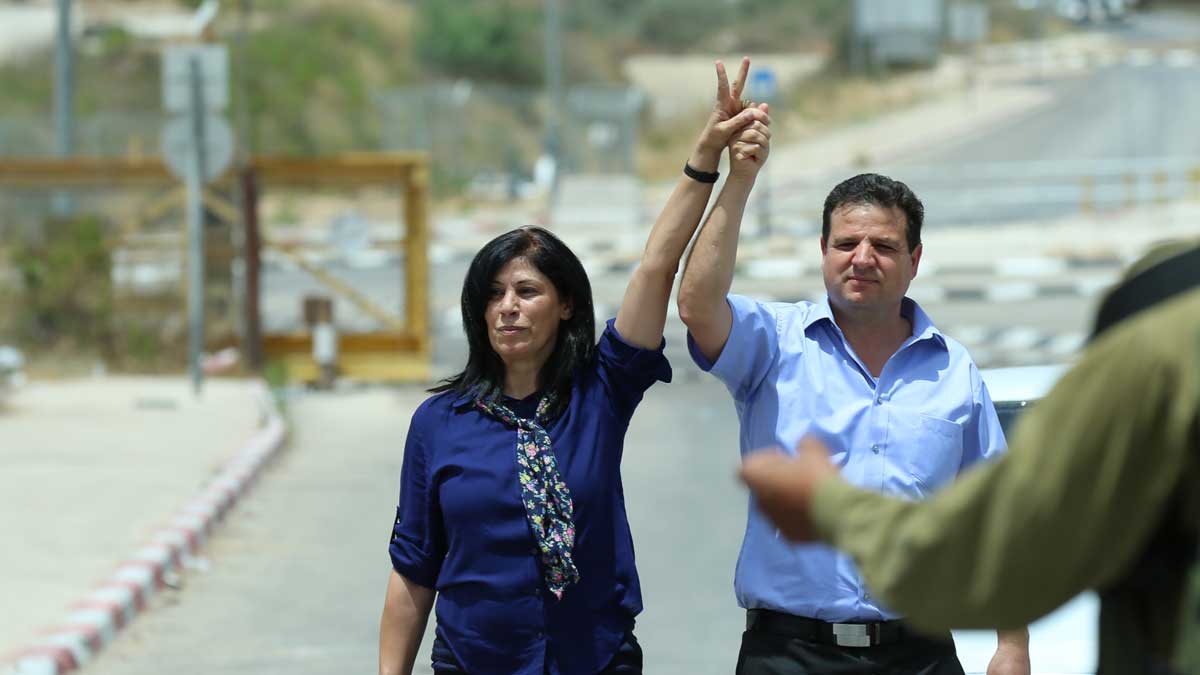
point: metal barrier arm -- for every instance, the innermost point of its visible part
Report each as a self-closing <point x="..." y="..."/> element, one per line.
<point x="345" y="290"/>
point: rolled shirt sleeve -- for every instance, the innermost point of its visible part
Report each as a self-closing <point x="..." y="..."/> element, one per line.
<point x="418" y="542"/>
<point x="750" y="349"/>
<point x="627" y="371"/>
<point x="1087" y="477"/>
<point x="983" y="437"/>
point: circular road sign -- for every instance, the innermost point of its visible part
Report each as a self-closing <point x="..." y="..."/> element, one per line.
<point x="218" y="146"/>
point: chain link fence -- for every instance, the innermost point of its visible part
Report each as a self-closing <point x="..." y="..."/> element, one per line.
<point x="110" y="134"/>
<point x="108" y="281"/>
<point x="92" y="266"/>
<point x="485" y="140"/>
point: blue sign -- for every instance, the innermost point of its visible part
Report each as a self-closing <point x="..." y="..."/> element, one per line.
<point x="763" y="85"/>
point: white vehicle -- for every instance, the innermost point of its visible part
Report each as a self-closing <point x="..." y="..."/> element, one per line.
<point x="12" y="373"/>
<point x="1014" y="389"/>
<point x="1064" y="641"/>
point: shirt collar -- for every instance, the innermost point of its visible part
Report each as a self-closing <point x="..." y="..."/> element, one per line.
<point x="821" y="311"/>
<point x="922" y="326"/>
<point x="468" y="398"/>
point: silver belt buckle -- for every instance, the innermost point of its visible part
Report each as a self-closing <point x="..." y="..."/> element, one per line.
<point x="851" y="635"/>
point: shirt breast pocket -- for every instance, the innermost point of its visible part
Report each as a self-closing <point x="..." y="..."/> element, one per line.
<point x="935" y="452"/>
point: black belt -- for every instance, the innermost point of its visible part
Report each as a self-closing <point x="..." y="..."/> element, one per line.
<point x="815" y="630"/>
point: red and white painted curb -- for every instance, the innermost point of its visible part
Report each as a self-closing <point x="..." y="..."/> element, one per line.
<point x="96" y="618"/>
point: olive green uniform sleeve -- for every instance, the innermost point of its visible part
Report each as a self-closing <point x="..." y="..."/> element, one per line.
<point x="1086" y="478"/>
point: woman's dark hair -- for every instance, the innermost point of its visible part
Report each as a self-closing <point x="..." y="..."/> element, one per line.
<point x="576" y="341"/>
<point x="872" y="188"/>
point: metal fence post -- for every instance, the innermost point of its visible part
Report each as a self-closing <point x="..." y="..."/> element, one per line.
<point x="195" y="221"/>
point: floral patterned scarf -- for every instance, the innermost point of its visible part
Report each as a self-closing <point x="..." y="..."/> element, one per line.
<point x="547" y="500"/>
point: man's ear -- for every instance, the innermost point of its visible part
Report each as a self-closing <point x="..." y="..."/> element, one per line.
<point x="916" y="258"/>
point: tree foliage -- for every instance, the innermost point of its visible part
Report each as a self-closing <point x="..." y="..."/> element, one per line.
<point x="680" y="25"/>
<point x="66" y="285"/>
<point x="312" y="78"/>
<point x="481" y="39"/>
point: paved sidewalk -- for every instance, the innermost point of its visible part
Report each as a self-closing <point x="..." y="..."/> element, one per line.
<point x="93" y="469"/>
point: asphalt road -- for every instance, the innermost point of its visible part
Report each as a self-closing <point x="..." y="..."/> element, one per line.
<point x="1117" y="120"/>
<point x="1164" y="25"/>
<point x="1133" y="120"/>
<point x="1128" y="109"/>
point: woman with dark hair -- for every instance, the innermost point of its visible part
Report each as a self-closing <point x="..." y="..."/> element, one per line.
<point x="511" y="508"/>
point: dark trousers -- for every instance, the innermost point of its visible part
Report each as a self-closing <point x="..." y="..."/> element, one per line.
<point x="769" y="653"/>
<point x="627" y="660"/>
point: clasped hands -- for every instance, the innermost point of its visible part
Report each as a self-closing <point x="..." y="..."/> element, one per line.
<point x="740" y="125"/>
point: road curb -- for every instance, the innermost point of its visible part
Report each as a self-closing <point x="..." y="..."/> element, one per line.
<point x="94" y="620"/>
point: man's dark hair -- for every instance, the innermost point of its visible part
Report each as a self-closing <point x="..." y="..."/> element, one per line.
<point x="576" y="341"/>
<point x="872" y="188"/>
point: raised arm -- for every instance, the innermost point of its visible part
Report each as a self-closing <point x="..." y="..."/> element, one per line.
<point x="708" y="273"/>
<point x="643" y="311"/>
<point x="405" y="612"/>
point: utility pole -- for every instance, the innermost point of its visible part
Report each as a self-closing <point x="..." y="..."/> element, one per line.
<point x="1043" y="10"/>
<point x="554" y="94"/>
<point x="764" y="88"/>
<point x="64" y="101"/>
<point x="244" y="148"/>
<point x="197" y="145"/>
<point x="857" y="44"/>
<point x="245" y="262"/>
<point x="198" y="168"/>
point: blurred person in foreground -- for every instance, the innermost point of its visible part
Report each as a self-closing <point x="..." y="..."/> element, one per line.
<point x="511" y="509"/>
<point x="1098" y="491"/>
<point x="866" y="366"/>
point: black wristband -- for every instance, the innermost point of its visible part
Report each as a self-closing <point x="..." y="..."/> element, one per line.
<point x="700" y="176"/>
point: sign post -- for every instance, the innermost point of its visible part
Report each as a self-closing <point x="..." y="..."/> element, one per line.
<point x="197" y="146"/>
<point x="764" y="88"/>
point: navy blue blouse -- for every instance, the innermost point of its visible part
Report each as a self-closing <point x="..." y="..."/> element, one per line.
<point x="461" y="527"/>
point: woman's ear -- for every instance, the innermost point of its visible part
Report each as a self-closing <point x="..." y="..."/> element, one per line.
<point x="566" y="312"/>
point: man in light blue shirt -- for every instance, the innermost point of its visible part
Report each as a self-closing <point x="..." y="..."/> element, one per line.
<point x="902" y="406"/>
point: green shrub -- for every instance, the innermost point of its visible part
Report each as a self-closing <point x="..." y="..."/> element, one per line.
<point x="481" y="39"/>
<point x="311" y="81"/>
<point x="66" y="284"/>
<point x="680" y="25"/>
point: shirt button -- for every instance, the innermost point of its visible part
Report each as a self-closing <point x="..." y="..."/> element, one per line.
<point x="878" y="400"/>
<point x="540" y="635"/>
<point x="875" y="448"/>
